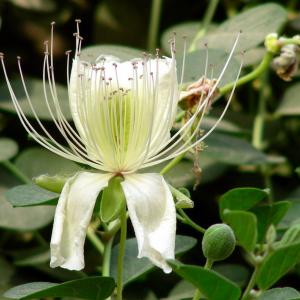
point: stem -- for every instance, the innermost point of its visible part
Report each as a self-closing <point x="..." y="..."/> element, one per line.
<point x="210" y="11"/>
<point x="12" y="168"/>
<point x="106" y="257"/>
<point x="154" y="24"/>
<point x="197" y="295"/>
<point x="290" y="41"/>
<point x="186" y="220"/>
<point x="172" y="163"/>
<point x="250" y="76"/>
<point x="93" y="238"/>
<point x="208" y="265"/>
<point x="121" y="253"/>
<point x="259" y="121"/>
<point x="251" y="283"/>
<point x="258" y="129"/>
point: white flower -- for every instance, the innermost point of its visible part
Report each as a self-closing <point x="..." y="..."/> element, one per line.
<point x="123" y="113"/>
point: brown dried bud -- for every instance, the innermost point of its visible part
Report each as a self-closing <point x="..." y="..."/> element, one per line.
<point x="286" y="64"/>
<point x="198" y="92"/>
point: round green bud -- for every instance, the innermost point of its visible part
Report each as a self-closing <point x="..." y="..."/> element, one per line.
<point x="218" y="242"/>
<point x="271" y="43"/>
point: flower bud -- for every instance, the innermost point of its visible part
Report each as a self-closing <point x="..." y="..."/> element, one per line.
<point x="291" y="236"/>
<point x="218" y="242"/>
<point x="51" y="183"/>
<point x="271" y="43"/>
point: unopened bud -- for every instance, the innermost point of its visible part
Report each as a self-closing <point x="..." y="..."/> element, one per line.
<point x="51" y="183"/>
<point x="291" y="236"/>
<point x="271" y="43"/>
<point x="271" y="235"/>
<point x="218" y="242"/>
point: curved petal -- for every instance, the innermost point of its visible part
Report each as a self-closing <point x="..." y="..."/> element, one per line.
<point x="152" y="212"/>
<point x="72" y="218"/>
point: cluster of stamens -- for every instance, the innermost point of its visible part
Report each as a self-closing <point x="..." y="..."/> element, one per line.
<point x="134" y="120"/>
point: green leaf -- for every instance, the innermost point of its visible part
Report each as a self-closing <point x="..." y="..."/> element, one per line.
<point x="182" y="290"/>
<point x="36" y="161"/>
<point x="185" y="33"/>
<point x="224" y="126"/>
<point x="241" y="199"/>
<point x="211" y="284"/>
<point x="255" y="24"/>
<point x="252" y="57"/>
<point x="30" y="195"/>
<point x="36" y="92"/>
<point x="277" y="264"/>
<point x="194" y="66"/>
<point x="233" y="150"/>
<point x="23" y="218"/>
<point x="183" y="175"/>
<point x="292" y="216"/>
<point x="8" y="148"/>
<point x="113" y="200"/>
<point x="87" y="288"/>
<point x="239" y="274"/>
<point x="269" y="214"/>
<point x="93" y="53"/>
<point x="291" y="236"/>
<point x="244" y="225"/>
<point x="135" y="267"/>
<point x="32" y="257"/>
<point x="286" y="293"/>
<point x="181" y="200"/>
<point x="290" y="104"/>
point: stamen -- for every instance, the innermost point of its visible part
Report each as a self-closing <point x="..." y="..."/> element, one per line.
<point x="155" y="159"/>
<point x="183" y="60"/>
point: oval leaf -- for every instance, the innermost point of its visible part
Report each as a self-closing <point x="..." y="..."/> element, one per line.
<point x="277" y="264"/>
<point x="86" y="288"/>
<point x="35" y="90"/>
<point x="290" y="104"/>
<point x="211" y="284"/>
<point x="94" y="53"/>
<point x="241" y="199"/>
<point x="8" y="148"/>
<point x="135" y="267"/>
<point x="36" y="161"/>
<point x="30" y="195"/>
<point x="187" y="29"/>
<point x="239" y="274"/>
<point x="286" y="293"/>
<point x="194" y="66"/>
<point x="255" y="24"/>
<point x="244" y="225"/>
<point x="269" y="214"/>
<point x="23" y="218"/>
<point x="233" y="150"/>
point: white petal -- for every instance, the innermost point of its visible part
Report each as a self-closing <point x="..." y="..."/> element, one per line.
<point x="72" y="218"/>
<point x="152" y="212"/>
<point x="73" y="94"/>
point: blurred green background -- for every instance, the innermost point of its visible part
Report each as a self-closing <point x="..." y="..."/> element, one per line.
<point x="230" y="160"/>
